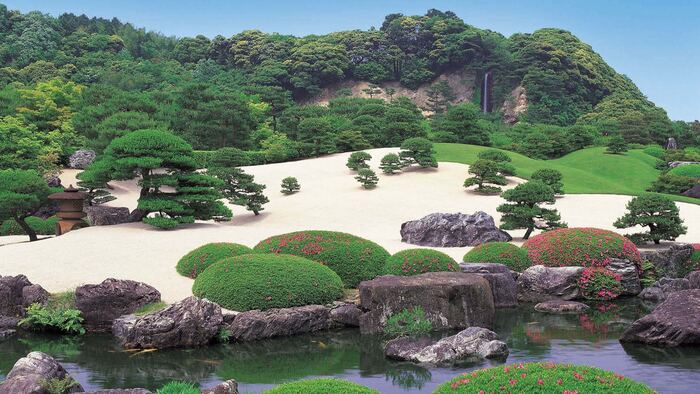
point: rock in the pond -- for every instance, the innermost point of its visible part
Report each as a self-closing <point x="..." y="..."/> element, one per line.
<point x="660" y="289"/>
<point x="561" y="306"/>
<point x="471" y="343"/>
<point x="500" y="278"/>
<point x="28" y="374"/>
<point x="227" y="387"/>
<point x="120" y="391"/>
<point x="6" y="333"/>
<point x="346" y="315"/>
<point x="668" y="259"/>
<point x="14" y="298"/>
<point x="675" y="322"/>
<point x="104" y="302"/>
<point x="452" y="229"/>
<point x="102" y="215"/>
<point x="190" y="322"/>
<point x="694" y="279"/>
<point x="629" y="277"/>
<point x="81" y="159"/>
<point x="539" y="283"/>
<point x="254" y="325"/>
<point x="449" y="299"/>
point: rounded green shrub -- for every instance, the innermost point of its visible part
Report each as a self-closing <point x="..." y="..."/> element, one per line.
<point x="419" y="261"/>
<point x="353" y="258"/>
<point x="543" y="377"/>
<point x="196" y="261"/>
<point x="582" y="247"/>
<point x="655" y="151"/>
<point x="504" y="253"/>
<point x="689" y="170"/>
<point x="264" y="281"/>
<point x="41" y="226"/>
<point x="321" y="386"/>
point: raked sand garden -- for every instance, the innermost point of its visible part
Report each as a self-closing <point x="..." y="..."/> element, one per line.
<point x="330" y="199"/>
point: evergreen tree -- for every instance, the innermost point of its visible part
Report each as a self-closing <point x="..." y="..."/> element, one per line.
<point x="486" y="173"/>
<point x="616" y="145"/>
<point x="358" y="160"/>
<point x="290" y="185"/>
<point x="549" y="177"/>
<point x="240" y="188"/>
<point x="524" y="210"/>
<point x="656" y="212"/>
<point x="22" y="192"/>
<point x="391" y="163"/>
<point x="367" y="178"/>
<point x="418" y="151"/>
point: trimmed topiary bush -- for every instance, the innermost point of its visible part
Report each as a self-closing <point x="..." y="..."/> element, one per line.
<point x="598" y="283"/>
<point x="583" y="247"/>
<point x="39" y="225"/>
<point x="504" y="253"/>
<point x="543" y="377"/>
<point x="419" y="261"/>
<point x="196" y="261"/>
<point x="264" y="281"/>
<point x="353" y="258"/>
<point x="321" y="386"/>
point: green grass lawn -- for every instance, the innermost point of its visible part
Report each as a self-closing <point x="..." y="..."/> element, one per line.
<point x="584" y="171"/>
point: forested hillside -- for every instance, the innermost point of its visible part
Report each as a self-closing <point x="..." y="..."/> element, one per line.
<point x="77" y="82"/>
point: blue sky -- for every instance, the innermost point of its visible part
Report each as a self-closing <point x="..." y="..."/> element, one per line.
<point x="656" y="43"/>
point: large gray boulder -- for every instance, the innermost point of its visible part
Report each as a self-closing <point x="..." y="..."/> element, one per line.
<point x="693" y="191"/>
<point x="81" y="159"/>
<point x="8" y="327"/>
<point x="104" y="302"/>
<point x="28" y="374"/>
<point x="675" y="322"/>
<point x="452" y="229"/>
<point x="668" y="259"/>
<point x="346" y="315"/>
<point x="561" y="307"/>
<point x="17" y="293"/>
<point x="468" y="344"/>
<point x="190" y="322"/>
<point x="693" y="279"/>
<point x="661" y="289"/>
<point x="102" y="215"/>
<point x="500" y="278"/>
<point x="629" y="276"/>
<point x="449" y="299"/>
<point x="539" y="283"/>
<point x="254" y="325"/>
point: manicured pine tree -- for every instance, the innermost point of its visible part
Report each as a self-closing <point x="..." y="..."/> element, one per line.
<point x="523" y="209"/>
<point x="22" y="192"/>
<point x="418" y="150"/>
<point x="485" y="174"/>
<point x="391" y="163"/>
<point x="656" y="212"/>
<point x="367" y="178"/>
<point x="290" y="185"/>
<point x="240" y="188"/>
<point x="616" y="145"/>
<point x="549" y="177"/>
<point x="93" y="180"/>
<point x="358" y="160"/>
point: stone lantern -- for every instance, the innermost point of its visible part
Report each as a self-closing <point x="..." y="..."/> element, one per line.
<point x="70" y="209"/>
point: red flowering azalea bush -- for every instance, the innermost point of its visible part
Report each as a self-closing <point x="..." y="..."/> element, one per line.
<point x="353" y="258"/>
<point x="419" y="261"/>
<point x="543" y="377"/>
<point x="598" y="283"/>
<point x="504" y="253"/>
<point x="582" y="247"/>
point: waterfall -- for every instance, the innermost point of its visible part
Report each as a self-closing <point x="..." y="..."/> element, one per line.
<point x="485" y="92"/>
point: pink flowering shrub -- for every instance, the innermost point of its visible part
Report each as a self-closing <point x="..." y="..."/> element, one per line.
<point x="583" y="247"/>
<point x="540" y="378"/>
<point x="598" y="283"/>
<point x="353" y="258"/>
<point x="419" y="261"/>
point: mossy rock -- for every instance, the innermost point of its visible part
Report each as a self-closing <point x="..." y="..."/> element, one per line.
<point x="353" y="258"/>
<point x="321" y="386"/>
<point x="419" y="261"/>
<point x="196" y="261"/>
<point x="264" y="281"/>
<point x="504" y="253"/>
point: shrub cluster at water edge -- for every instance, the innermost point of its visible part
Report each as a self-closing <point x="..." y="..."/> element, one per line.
<point x="196" y="261"/>
<point x="598" y="283"/>
<point x="504" y="253"/>
<point x="419" y="261"/>
<point x="264" y="281"/>
<point x="353" y="258"/>
<point x="583" y="247"/>
<point x="178" y="388"/>
<point x="321" y="386"/>
<point x="541" y="378"/>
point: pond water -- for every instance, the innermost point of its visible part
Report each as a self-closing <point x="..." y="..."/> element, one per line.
<point x="97" y="362"/>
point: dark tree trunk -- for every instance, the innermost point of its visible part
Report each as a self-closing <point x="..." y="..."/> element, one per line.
<point x="27" y="229"/>
<point x="528" y="232"/>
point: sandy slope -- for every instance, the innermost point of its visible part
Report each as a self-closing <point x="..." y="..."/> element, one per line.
<point x="330" y="199"/>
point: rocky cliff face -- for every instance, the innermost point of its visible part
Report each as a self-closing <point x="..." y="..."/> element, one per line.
<point x="514" y="105"/>
<point x="462" y="82"/>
